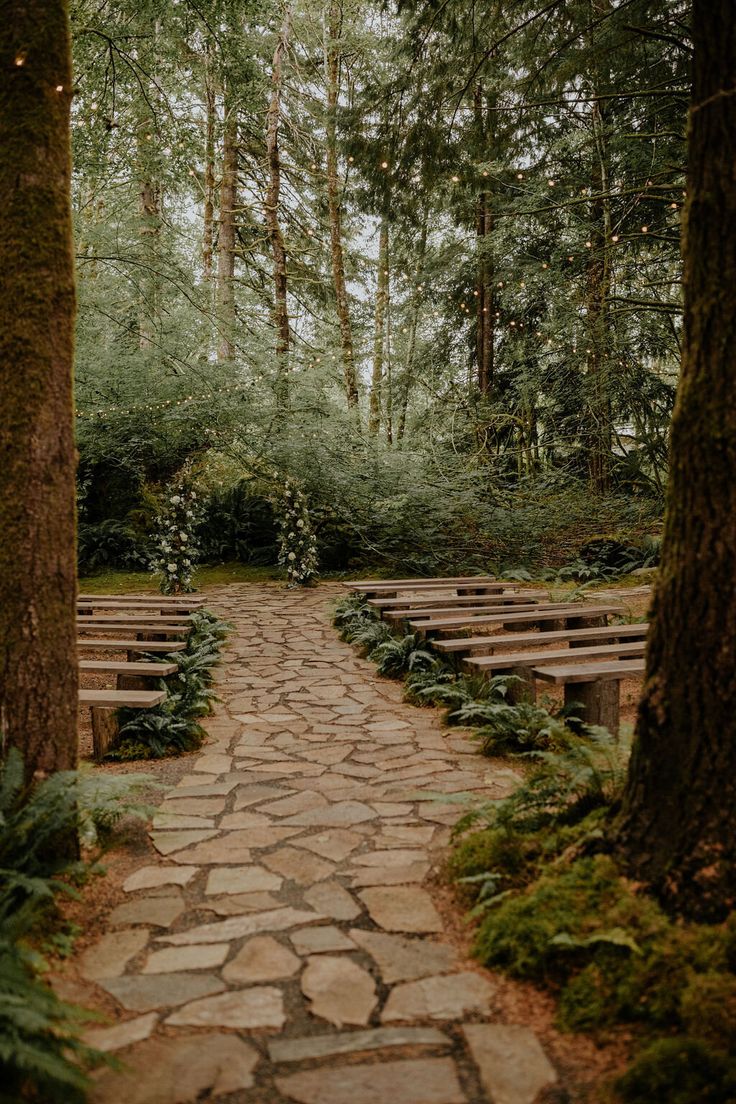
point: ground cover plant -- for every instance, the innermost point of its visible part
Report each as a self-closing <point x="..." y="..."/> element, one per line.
<point x="42" y="1056"/>
<point x="175" y="726"/>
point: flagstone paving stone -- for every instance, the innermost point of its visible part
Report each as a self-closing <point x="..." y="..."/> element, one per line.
<point x="289" y="895"/>
<point x="160" y="911"/>
<point x="419" y="1081"/>
<point x="338" y="990"/>
<point x="179" y="1071"/>
<point x="262" y="958"/>
<point x="259" y="1007"/>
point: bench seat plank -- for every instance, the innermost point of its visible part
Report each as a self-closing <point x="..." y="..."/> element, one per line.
<point x="436" y="580"/>
<point x="590" y="672"/>
<point x="116" y="699"/>
<point x="520" y="640"/>
<point x="123" y="667"/>
<point x="419" y="602"/>
<point x="543" y="612"/>
<point x="172" y="600"/>
<point x="142" y="627"/>
<point x="506" y="660"/>
<point x="152" y="646"/>
<point x="130" y="618"/>
<point x="466" y="611"/>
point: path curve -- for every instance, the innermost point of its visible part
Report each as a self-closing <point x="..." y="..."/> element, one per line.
<point x="287" y="946"/>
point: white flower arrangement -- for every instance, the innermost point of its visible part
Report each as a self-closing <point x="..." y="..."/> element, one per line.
<point x="176" y="549"/>
<point x="298" y="546"/>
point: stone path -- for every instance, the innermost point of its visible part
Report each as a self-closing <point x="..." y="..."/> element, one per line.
<point x="286" y="946"/>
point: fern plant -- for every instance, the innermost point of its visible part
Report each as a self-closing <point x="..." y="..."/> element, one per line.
<point x="562" y="789"/>
<point x="41" y="1056"/>
<point x="400" y="656"/>
<point x="173" y="728"/>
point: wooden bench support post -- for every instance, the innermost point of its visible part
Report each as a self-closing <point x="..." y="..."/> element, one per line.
<point x="584" y="622"/>
<point x="551" y="626"/>
<point x="599" y="701"/>
<point x="104" y="730"/>
<point x="525" y="691"/>
<point x="133" y="682"/>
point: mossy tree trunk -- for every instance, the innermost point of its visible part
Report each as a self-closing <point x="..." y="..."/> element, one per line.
<point x="676" y="829"/>
<point x="38" y="659"/>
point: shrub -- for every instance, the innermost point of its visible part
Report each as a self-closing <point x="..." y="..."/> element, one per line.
<point x="679" y="1071"/>
<point x="108" y="544"/>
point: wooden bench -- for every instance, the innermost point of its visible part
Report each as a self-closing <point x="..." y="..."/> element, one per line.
<point x="461" y="583"/>
<point x="85" y="607"/>
<point x="595" y="686"/>
<point x="470" y="612"/>
<point x="454" y="601"/>
<point x="521" y="664"/>
<point x="577" y="637"/>
<point x="138" y="627"/>
<point x="573" y="615"/>
<point x="130" y="618"/>
<point x="104" y="703"/>
<point x="131" y="674"/>
<point x="190" y="600"/>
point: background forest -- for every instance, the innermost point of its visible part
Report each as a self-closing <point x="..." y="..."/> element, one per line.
<point x="421" y="258"/>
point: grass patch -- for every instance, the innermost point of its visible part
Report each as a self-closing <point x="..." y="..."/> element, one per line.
<point x="130" y="582"/>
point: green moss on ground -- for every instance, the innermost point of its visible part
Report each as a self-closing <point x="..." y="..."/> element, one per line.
<point x="129" y="582"/>
<point x="570" y="920"/>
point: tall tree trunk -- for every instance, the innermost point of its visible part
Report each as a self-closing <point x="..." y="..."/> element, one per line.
<point x="677" y="824"/>
<point x="598" y="416"/>
<point x="598" y="406"/>
<point x="226" y="233"/>
<point x="208" y="229"/>
<point x="38" y="657"/>
<point x="332" y="80"/>
<point x="485" y="310"/>
<point x="411" y="344"/>
<point x="379" y="332"/>
<point x="149" y="206"/>
<point x="276" y="237"/>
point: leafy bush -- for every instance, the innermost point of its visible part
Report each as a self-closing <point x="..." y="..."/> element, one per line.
<point x="41" y="1056"/>
<point x="173" y="728"/>
<point x="238" y="524"/>
<point x="111" y="543"/>
<point x="680" y="1071"/>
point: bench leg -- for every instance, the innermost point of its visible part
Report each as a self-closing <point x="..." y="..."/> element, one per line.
<point x="132" y="682"/>
<point x="104" y="730"/>
<point x="525" y="691"/>
<point x="551" y="626"/>
<point x="583" y="622"/>
<point x="599" y="701"/>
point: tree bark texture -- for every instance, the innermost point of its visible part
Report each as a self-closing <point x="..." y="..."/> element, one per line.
<point x="38" y="657"/>
<point x="342" y="302"/>
<point x="676" y="829"/>
<point x="226" y="234"/>
<point x="485" y="310"/>
<point x="275" y="235"/>
<point x="598" y="416"/>
<point x="208" y="230"/>
<point x="379" y="332"/>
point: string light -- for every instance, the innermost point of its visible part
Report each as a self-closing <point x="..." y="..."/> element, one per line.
<point x="20" y="61"/>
